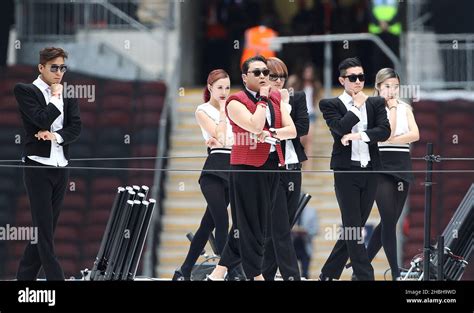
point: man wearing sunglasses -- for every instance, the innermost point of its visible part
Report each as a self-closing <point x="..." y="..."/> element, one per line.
<point x="51" y="124"/>
<point x="357" y="123"/>
<point x="254" y="178"/>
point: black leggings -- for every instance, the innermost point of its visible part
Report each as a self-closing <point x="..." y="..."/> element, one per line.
<point x="391" y="196"/>
<point x="216" y="192"/>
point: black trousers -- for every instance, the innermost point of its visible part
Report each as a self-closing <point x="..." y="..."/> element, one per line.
<point x="392" y="193"/>
<point x="46" y="187"/>
<point x="216" y="192"/>
<point x="355" y="194"/>
<point x="252" y="195"/>
<point x="279" y="249"/>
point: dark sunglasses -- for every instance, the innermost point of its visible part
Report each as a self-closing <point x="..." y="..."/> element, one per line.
<point x="257" y="73"/>
<point x="275" y="77"/>
<point x="353" y="78"/>
<point x="54" y="68"/>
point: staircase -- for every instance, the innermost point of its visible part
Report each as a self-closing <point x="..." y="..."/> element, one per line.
<point x="184" y="205"/>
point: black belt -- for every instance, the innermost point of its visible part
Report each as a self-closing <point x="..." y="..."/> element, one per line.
<point x="357" y="164"/>
<point x="294" y="166"/>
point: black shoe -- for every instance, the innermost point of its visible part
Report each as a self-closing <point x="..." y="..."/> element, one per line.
<point x="323" y="277"/>
<point x="178" y="275"/>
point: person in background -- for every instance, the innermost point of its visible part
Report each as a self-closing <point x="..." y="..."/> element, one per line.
<point x="307" y="81"/>
<point x="306" y="228"/>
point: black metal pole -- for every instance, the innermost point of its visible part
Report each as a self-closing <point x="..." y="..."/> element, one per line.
<point x="104" y="242"/>
<point x="427" y="235"/>
<point x="441" y="258"/>
<point x="141" y="239"/>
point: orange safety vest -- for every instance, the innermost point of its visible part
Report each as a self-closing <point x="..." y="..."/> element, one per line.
<point x="257" y="42"/>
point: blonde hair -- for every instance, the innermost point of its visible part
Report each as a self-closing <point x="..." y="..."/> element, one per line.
<point x="383" y="75"/>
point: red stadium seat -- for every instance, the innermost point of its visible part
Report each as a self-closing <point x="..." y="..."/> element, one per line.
<point x="89" y="120"/>
<point x="427" y="120"/>
<point x="106" y="184"/>
<point x="8" y="104"/>
<point x="116" y="102"/>
<point x="10" y="119"/>
<point x="152" y="88"/>
<point x="70" y="217"/>
<point x="114" y="119"/>
<point x="67" y="250"/>
<point x="66" y="234"/>
<point x="117" y="88"/>
<point x="102" y="201"/>
<point x="147" y="120"/>
<point x="99" y="216"/>
<point x="426" y="106"/>
<point x="150" y="103"/>
<point x="458" y="120"/>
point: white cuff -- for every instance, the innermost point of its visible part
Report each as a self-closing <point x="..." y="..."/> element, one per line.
<point x="364" y="137"/>
<point x="356" y="111"/>
<point x="56" y="101"/>
<point x="59" y="138"/>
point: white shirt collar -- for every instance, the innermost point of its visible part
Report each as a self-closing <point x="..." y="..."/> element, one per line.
<point x="40" y="83"/>
<point x="254" y="94"/>
<point x="345" y="98"/>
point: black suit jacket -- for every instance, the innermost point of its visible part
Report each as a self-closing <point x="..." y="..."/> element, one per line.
<point x="299" y="115"/>
<point x="341" y="121"/>
<point x="37" y="115"/>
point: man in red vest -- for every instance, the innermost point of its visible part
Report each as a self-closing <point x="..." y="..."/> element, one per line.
<point x="257" y="120"/>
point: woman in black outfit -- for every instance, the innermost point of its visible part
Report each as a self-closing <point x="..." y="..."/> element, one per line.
<point x="217" y="133"/>
<point x="279" y="249"/>
<point x="393" y="188"/>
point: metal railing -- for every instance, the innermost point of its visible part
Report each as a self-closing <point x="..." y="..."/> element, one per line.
<point x="277" y="42"/>
<point x="441" y="61"/>
<point x="43" y="20"/>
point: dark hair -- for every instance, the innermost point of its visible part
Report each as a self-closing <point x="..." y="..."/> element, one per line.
<point x="213" y="76"/>
<point x="348" y="63"/>
<point x="246" y="64"/>
<point x="51" y="53"/>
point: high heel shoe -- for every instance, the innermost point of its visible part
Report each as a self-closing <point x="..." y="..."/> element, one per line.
<point x="208" y="278"/>
<point x="178" y="275"/>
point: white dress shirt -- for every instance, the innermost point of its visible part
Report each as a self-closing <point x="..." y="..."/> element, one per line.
<point x="268" y="115"/>
<point x="360" y="148"/>
<point x="56" y="158"/>
<point x="290" y="154"/>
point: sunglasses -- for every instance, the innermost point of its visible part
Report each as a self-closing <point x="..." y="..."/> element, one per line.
<point x="275" y="77"/>
<point x="353" y="78"/>
<point x="54" y="68"/>
<point x="257" y="73"/>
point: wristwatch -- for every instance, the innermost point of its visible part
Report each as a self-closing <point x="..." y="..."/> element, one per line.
<point x="273" y="131"/>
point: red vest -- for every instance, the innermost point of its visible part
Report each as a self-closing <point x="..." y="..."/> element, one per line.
<point x="246" y="150"/>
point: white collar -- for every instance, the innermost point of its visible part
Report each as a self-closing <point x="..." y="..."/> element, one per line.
<point x="254" y="94"/>
<point x="345" y="98"/>
<point x="40" y="83"/>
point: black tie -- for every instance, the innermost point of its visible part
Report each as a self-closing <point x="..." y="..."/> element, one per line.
<point x="272" y="113"/>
